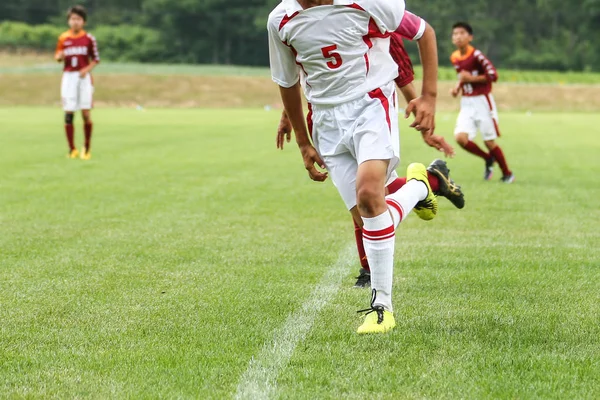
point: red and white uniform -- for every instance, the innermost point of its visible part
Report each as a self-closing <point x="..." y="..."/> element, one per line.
<point x="477" y="109"/>
<point x="79" y="50"/>
<point x="342" y="54"/>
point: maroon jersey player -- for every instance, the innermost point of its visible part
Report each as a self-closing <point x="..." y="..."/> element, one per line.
<point x="78" y="51"/>
<point x="478" y="111"/>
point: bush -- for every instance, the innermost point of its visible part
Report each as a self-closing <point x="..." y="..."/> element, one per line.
<point x="116" y="43"/>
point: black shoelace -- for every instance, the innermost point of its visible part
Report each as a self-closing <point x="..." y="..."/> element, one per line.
<point x="378" y="309"/>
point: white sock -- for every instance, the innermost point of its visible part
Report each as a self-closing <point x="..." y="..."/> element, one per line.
<point x="379" y="239"/>
<point x="404" y="200"/>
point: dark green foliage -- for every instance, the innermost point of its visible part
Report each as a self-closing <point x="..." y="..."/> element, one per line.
<point x="544" y="34"/>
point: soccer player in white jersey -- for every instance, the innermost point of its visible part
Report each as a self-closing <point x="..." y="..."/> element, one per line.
<point x="340" y="49"/>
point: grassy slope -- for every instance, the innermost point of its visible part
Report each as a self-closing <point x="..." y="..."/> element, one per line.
<point x="163" y="265"/>
<point x="38" y="63"/>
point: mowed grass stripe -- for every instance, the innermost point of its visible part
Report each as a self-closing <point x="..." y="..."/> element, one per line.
<point x="161" y="267"/>
<point x="260" y="379"/>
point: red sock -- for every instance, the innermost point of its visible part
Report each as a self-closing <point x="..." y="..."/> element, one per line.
<point x="87" y="127"/>
<point x="399" y="182"/>
<point x="70" y="131"/>
<point x="474" y="149"/>
<point x="433" y="182"/>
<point x="499" y="155"/>
<point x="396" y="185"/>
<point x="361" y="247"/>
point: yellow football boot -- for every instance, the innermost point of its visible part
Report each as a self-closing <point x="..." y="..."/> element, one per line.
<point x="85" y="154"/>
<point x="73" y="154"/>
<point x="377" y="320"/>
<point x="426" y="209"/>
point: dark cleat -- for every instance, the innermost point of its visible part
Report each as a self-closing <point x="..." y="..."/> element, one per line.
<point x="489" y="168"/>
<point x="363" y="280"/>
<point x="447" y="187"/>
<point x="508" y="178"/>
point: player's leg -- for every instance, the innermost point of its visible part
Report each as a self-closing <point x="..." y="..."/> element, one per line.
<point x="490" y="132"/>
<point x="466" y="131"/>
<point x="364" y="276"/>
<point x="86" y="91"/>
<point x="68" y="93"/>
<point x="496" y="151"/>
<point x="87" y="129"/>
<point x="376" y="146"/>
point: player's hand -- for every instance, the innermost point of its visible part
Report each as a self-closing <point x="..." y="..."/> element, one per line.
<point x="59" y="56"/>
<point x="83" y="73"/>
<point x="439" y="143"/>
<point x="311" y="157"/>
<point x="284" y="131"/>
<point x="424" y="109"/>
<point x="455" y="92"/>
<point x="465" y="77"/>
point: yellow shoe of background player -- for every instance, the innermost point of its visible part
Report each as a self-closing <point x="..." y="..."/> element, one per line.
<point x="85" y="154"/>
<point x="426" y="209"/>
<point x="73" y="154"/>
<point x="377" y="321"/>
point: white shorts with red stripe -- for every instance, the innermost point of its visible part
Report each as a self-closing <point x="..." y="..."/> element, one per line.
<point x="478" y="113"/>
<point x="349" y="134"/>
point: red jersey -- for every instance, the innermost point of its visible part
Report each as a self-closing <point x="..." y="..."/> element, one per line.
<point x="78" y="50"/>
<point x="411" y="28"/>
<point x="406" y="73"/>
<point x="478" y="65"/>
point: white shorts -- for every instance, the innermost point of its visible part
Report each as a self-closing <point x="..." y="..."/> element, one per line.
<point x="478" y="113"/>
<point x="349" y="134"/>
<point x="76" y="92"/>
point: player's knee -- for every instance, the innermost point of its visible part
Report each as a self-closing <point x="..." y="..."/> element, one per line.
<point x="369" y="199"/>
<point x="461" y="139"/>
<point x="490" y="144"/>
<point x="87" y="117"/>
<point x="69" y="118"/>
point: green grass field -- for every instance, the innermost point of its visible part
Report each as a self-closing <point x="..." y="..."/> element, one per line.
<point x="190" y="259"/>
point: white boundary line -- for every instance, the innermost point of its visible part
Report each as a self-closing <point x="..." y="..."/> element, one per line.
<point x="260" y="379"/>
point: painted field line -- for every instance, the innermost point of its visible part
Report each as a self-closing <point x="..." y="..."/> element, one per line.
<point x="260" y="379"/>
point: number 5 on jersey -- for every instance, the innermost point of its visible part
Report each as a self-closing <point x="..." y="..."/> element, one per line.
<point x="329" y="52"/>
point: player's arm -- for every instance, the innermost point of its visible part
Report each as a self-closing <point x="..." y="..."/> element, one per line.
<point x="424" y="106"/>
<point x="284" y="130"/>
<point x="94" y="55"/>
<point x="284" y="72"/>
<point x="409" y="92"/>
<point x="490" y="75"/>
<point x="59" y="53"/>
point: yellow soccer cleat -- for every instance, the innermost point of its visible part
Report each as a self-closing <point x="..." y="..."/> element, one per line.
<point x="85" y="154"/>
<point x="377" y="320"/>
<point x="426" y="209"/>
<point x="73" y="154"/>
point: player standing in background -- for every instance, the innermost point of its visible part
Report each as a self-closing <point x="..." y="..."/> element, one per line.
<point x="340" y="49"/>
<point x="79" y="52"/>
<point x="411" y="28"/>
<point x="476" y="73"/>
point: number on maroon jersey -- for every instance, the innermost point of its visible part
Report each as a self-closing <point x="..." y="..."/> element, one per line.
<point x="467" y="88"/>
<point x="74" y="62"/>
<point x="328" y="52"/>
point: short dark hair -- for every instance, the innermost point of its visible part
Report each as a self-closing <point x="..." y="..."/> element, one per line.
<point x="77" y="10"/>
<point x="463" y="25"/>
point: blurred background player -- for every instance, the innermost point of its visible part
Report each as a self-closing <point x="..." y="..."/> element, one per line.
<point x="476" y="73"/>
<point x="411" y="28"/>
<point x="79" y="52"/>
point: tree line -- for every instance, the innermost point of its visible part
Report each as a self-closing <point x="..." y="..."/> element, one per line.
<point x="524" y="34"/>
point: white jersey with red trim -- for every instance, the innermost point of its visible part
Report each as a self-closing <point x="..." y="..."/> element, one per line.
<point x="341" y="50"/>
